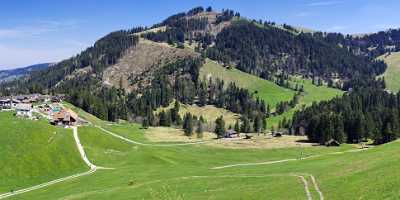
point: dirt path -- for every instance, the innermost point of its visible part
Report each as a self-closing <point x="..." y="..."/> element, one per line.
<point x="81" y="150"/>
<point x="308" y="193"/>
<point x="147" y="144"/>
<point x="92" y="167"/>
<point x="321" y="196"/>
<point x="288" y="160"/>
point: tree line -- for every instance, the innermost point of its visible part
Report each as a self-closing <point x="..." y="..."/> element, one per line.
<point x="365" y="113"/>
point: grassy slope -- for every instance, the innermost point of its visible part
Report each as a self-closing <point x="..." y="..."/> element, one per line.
<point x="267" y="90"/>
<point x="33" y="152"/>
<point x="392" y="73"/>
<point x="143" y="172"/>
<point x="312" y="94"/>
<point x="166" y="173"/>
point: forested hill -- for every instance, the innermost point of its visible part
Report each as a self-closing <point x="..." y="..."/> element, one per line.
<point x="100" y="79"/>
<point x="265" y="50"/>
<point x="11" y="74"/>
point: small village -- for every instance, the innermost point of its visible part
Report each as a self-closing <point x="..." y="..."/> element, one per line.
<point x="34" y="106"/>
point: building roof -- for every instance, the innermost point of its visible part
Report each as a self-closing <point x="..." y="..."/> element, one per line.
<point x="65" y="115"/>
<point x="23" y="107"/>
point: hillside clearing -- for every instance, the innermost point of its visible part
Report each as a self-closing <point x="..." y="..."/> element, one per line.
<point x="209" y="113"/>
<point x="392" y="73"/>
<point x="136" y="67"/>
<point x="266" y="90"/>
<point x="312" y="94"/>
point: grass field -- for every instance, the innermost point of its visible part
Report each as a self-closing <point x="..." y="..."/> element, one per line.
<point x="392" y="73"/>
<point x="312" y="94"/>
<point x="269" y="91"/>
<point x="188" y="172"/>
<point x="32" y="152"/>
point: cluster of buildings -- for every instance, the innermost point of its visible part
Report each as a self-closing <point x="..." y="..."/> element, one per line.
<point x="9" y="102"/>
<point x="46" y="105"/>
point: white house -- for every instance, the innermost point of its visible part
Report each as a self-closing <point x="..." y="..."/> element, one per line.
<point x="24" y="110"/>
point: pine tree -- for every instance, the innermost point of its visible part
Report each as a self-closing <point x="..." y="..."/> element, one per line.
<point x="264" y="123"/>
<point x="237" y="126"/>
<point x="145" y="123"/>
<point x="188" y="124"/>
<point x="245" y="128"/>
<point x="257" y="124"/>
<point x="164" y="119"/>
<point x="199" y="129"/>
<point x="175" y="117"/>
<point x="220" y="126"/>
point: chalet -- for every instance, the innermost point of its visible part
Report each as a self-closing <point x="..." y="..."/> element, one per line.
<point x="24" y="110"/>
<point x="332" y="143"/>
<point x="5" y="103"/>
<point x="231" y="134"/>
<point x="277" y="134"/>
<point x="248" y="137"/>
<point x="65" y="117"/>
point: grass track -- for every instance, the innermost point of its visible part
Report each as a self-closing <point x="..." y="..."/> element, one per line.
<point x="392" y="73"/>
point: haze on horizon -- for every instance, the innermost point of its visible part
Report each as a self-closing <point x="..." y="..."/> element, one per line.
<point x="34" y="32"/>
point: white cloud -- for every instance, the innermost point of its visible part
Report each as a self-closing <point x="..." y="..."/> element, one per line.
<point x="37" y="27"/>
<point x="324" y="3"/>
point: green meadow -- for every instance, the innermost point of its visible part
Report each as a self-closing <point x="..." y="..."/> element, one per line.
<point x="33" y="152"/>
<point x="392" y="73"/>
<point x="312" y="93"/>
<point x="267" y="90"/>
<point x="186" y="172"/>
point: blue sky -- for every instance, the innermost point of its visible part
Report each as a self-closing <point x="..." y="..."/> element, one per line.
<point x="36" y="31"/>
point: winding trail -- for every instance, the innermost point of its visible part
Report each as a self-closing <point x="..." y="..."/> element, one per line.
<point x="321" y="196"/>
<point x="308" y="193"/>
<point x="93" y="168"/>
<point x="288" y="160"/>
<point x="147" y="144"/>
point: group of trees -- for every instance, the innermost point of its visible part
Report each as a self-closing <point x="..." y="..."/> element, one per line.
<point x="370" y="45"/>
<point x="190" y="123"/>
<point x="365" y="113"/>
<point x="268" y="51"/>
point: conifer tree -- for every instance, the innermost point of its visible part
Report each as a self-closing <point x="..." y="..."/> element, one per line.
<point x="220" y="126"/>
<point x="188" y="124"/>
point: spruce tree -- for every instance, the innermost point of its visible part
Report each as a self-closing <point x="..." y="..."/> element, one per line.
<point x="245" y="128"/>
<point x="220" y="126"/>
<point x="264" y="124"/>
<point x="199" y="129"/>
<point x="257" y="124"/>
<point x="237" y="126"/>
<point x="188" y="124"/>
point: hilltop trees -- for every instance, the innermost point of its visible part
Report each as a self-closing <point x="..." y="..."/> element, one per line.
<point x="268" y="51"/>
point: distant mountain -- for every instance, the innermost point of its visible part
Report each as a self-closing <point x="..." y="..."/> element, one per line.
<point x="11" y="74"/>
